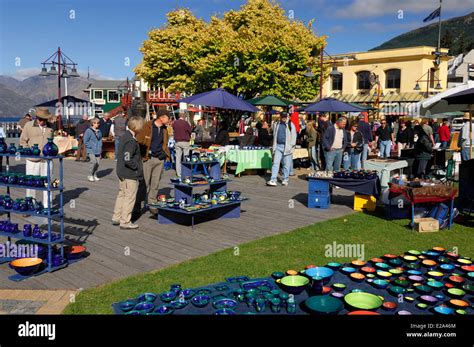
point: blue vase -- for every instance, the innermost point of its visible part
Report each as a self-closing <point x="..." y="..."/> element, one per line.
<point x="27" y="230"/>
<point x="35" y="150"/>
<point x="12" y="179"/>
<point x="3" y="146"/>
<point x="27" y="151"/>
<point x="50" y="149"/>
<point x="8" y="203"/>
<point x="12" y="149"/>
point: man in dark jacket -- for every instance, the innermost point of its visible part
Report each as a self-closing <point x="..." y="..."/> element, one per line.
<point x="366" y="132"/>
<point x="105" y="125"/>
<point x="129" y="172"/>
<point x="119" y="127"/>
<point x="334" y="143"/>
<point x="323" y="125"/>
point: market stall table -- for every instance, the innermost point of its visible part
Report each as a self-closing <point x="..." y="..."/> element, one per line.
<point x="430" y="194"/>
<point x="359" y="186"/>
<point x="384" y="167"/>
<point x="248" y="159"/>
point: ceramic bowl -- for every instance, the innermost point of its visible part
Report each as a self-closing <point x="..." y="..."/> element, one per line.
<point x="358" y="263"/>
<point x="428" y="299"/>
<point x="464" y="261"/>
<point x="358" y="277"/>
<point x="382" y="266"/>
<point x="435" y="274"/>
<point x="225" y="312"/>
<point x="401" y="282"/>
<point x="410" y="258"/>
<point x="348" y="270"/>
<point x="456" y="292"/>
<point x="422" y="306"/>
<point x="339" y="286"/>
<point x="368" y="270"/>
<point x="469" y="288"/>
<point x="144" y="307"/>
<point x="294" y="284"/>
<point x="201" y="300"/>
<point x="395" y="262"/>
<point x="423" y="289"/>
<point x="324" y="272"/>
<point x="396" y="272"/>
<point x="435" y="284"/>
<point x="188" y="293"/>
<point x="413" y="252"/>
<point x="438" y="249"/>
<point x="322" y="304"/>
<point x="390" y="256"/>
<point x="416" y="278"/>
<point x="384" y="274"/>
<point x="179" y="304"/>
<point x="363" y="313"/>
<point x="168" y="296"/>
<point x="380" y="284"/>
<point x="334" y="265"/>
<point x="337" y="295"/>
<point x="74" y="252"/>
<point x="225" y="303"/>
<point x="363" y="301"/>
<point x="447" y="267"/>
<point x="150" y="297"/>
<point x="292" y="273"/>
<point x="376" y="260"/>
<point x="429" y="263"/>
<point x="456" y="280"/>
<point x="164" y="310"/>
<point x="26" y="266"/>
<point x="404" y="313"/>
<point x="127" y="306"/>
<point x="443" y="310"/>
<point x="467" y="268"/>
<point x="389" y="305"/>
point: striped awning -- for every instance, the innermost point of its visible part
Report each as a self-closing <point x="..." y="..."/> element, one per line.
<point x="369" y="98"/>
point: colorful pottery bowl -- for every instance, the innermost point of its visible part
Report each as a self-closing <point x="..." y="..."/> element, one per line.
<point x="294" y="284"/>
<point x="390" y="256"/>
<point x="225" y="312"/>
<point x="348" y="270"/>
<point x="429" y="263"/>
<point x="435" y="284"/>
<point x="428" y="299"/>
<point x="404" y="313"/>
<point x="368" y="270"/>
<point x="377" y="260"/>
<point x="358" y="263"/>
<point x="334" y="265"/>
<point x="396" y="272"/>
<point x="127" y="306"/>
<point x="389" y="305"/>
<point x="410" y="258"/>
<point x="382" y="266"/>
<point x="324" y="272"/>
<point x="447" y="267"/>
<point x="164" y="310"/>
<point x="150" y="297"/>
<point x="144" y="307"/>
<point x="277" y="275"/>
<point x="413" y="252"/>
<point x="397" y="290"/>
<point x="380" y="284"/>
<point x="225" y="303"/>
<point x="401" y="282"/>
<point x="363" y="313"/>
<point x="438" y="249"/>
<point x="358" y="277"/>
<point x="423" y="289"/>
<point x="443" y="310"/>
<point x="322" y="304"/>
<point x="469" y="288"/>
<point x="363" y="301"/>
<point x="179" y="304"/>
<point x="292" y="273"/>
<point x="467" y="268"/>
<point x="74" y="252"/>
<point x="26" y="266"/>
<point x="168" y="296"/>
<point x="339" y="286"/>
<point x="384" y="274"/>
<point x="200" y="300"/>
<point x="456" y="292"/>
<point x="416" y="278"/>
<point x="456" y="280"/>
<point x="457" y="303"/>
<point x="464" y="261"/>
<point x="435" y="274"/>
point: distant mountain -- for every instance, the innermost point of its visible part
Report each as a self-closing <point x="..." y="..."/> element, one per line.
<point x="457" y="34"/>
<point x="15" y="94"/>
<point x="13" y="104"/>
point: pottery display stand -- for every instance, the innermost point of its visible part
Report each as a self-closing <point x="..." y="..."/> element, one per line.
<point x="184" y="191"/>
<point x="57" y="217"/>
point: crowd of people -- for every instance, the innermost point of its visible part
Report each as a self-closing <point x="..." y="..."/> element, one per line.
<point x="142" y="148"/>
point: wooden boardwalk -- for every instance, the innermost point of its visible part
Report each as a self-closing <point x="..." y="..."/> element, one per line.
<point x="115" y="253"/>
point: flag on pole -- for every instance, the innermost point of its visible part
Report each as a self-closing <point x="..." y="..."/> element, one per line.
<point x="435" y="14"/>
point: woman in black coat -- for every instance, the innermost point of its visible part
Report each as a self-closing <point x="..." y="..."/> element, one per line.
<point x="264" y="137"/>
<point x="422" y="151"/>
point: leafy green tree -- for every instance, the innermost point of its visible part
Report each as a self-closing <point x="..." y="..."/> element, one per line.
<point x="257" y="49"/>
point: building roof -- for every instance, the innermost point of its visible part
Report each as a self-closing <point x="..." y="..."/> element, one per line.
<point x="107" y="84"/>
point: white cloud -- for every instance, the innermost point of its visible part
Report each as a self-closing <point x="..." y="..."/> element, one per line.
<point x="373" y="8"/>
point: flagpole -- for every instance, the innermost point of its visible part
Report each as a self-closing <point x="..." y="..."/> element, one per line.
<point x="439" y="25"/>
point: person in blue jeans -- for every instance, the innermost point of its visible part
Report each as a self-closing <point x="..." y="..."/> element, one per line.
<point x="385" y="135"/>
<point x="366" y="132"/>
<point x="334" y="143"/>
<point x="355" y="143"/>
<point x="93" y="143"/>
<point x="284" y="142"/>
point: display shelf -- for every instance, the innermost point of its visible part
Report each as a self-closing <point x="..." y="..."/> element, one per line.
<point x="210" y="168"/>
<point x="31" y="156"/>
<point x="31" y="213"/>
<point x="29" y="187"/>
<point x="19" y="235"/>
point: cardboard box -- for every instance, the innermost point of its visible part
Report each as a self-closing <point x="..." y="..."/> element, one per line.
<point x="424" y="225"/>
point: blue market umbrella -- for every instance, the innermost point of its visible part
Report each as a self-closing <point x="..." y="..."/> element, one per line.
<point x="333" y="105"/>
<point x="67" y="99"/>
<point x="220" y="98"/>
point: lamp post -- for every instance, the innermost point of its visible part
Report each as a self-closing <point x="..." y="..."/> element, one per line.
<point x="430" y="77"/>
<point x="61" y="61"/>
<point x="334" y="72"/>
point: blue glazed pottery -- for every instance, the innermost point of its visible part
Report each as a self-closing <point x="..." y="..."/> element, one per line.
<point x="27" y="230"/>
<point x="179" y="304"/>
<point x="168" y="296"/>
<point x="164" y="310"/>
<point x="35" y="150"/>
<point x="12" y="149"/>
<point x="444" y="310"/>
<point x="225" y="312"/>
<point x="200" y="300"/>
<point x="144" y="307"/>
<point x="225" y="303"/>
<point x="12" y="179"/>
<point x="150" y="297"/>
<point x="50" y="149"/>
<point x="127" y="306"/>
<point x="8" y="203"/>
<point x="3" y="146"/>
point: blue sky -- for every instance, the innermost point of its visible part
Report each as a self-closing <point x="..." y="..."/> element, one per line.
<point x="105" y="34"/>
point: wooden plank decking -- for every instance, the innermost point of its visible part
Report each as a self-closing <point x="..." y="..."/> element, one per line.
<point x="88" y="209"/>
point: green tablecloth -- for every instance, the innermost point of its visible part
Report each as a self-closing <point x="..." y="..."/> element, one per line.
<point x="248" y="159"/>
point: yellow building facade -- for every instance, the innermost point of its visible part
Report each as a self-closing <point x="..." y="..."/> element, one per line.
<point x="388" y="76"/>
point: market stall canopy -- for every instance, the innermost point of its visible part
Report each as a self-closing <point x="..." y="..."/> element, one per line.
<point x="333" y="106"/>
<point x="219" y="98"/>
<point x="461" y="98"/>
<point x="270" y="100"/>
<point x="438" y="103"/>
<point x="65" y="99"/>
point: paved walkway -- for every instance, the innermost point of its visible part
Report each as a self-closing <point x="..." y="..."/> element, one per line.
<point x="115" y="254"/>
<point x="14" y="301"/>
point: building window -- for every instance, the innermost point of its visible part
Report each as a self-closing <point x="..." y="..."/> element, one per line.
<point x="336" y="82"/>
<point x="113" y="96"/>
<point x="98" y="94"/>
<point x="393" y="78"/>
<point x="363" y="80"/>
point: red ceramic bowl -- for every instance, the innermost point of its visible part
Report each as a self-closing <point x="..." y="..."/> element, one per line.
<point x="75" y="252"/>
<point x="390" y="256"/>
<point x="363" y="313"/>
<point x="389" y="305"/>
<point x="377" y="260"/>
<point x="368" y="270"/>
<point x="456" y="280"/>
<point x="468" y="268"/>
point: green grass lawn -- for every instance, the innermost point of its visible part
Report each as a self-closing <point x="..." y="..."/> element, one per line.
<point x="292" y="250"/>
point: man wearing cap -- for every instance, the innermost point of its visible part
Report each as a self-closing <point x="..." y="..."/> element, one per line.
<point x="334" y="143"/>
<point x="366" y="132"/>
<point x="465" y="141"/>
<point x="153" y="141"/>
<point x="284" y="142"/>
<point x="37" y="132"/>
